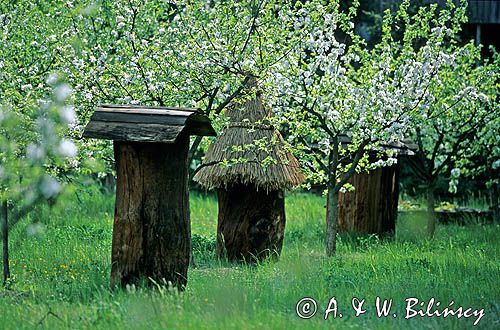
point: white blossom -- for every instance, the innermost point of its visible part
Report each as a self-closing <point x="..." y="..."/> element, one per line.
<point x="49" y="187"/>
<point x="52" y="79"/>
<point x="483" y="97"/>
<point x="62" y="92"/>
<point x="35" y="152"/>
<point x="67" y="148"/>
<point x="67" y="114"/>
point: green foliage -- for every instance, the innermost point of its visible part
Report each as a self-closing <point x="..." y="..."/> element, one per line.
<point x="416" y="79"/>
<point x="182" y="53"/>
<point x="203" y="249"/>
<point x="35" y="109"/>
<point x="32" y="147"/>
<point x="204" y="54"/>
<point x="332" y="90"/>
<point x="461" y="119"/>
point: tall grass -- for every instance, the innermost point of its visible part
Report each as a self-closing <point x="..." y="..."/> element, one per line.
<point x="61" y="275"/>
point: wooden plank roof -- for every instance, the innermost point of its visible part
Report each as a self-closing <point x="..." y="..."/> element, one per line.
<point x="403" y="148"/>
<point x="478" y="11"/>
<point x="484" y="11"/>
<point x="146" y="123"/>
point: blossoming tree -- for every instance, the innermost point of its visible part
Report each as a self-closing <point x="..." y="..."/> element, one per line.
<point x="321" y="78"/>
<point x="183" y="53"/>
<point x="327" y="89"/>
<point x="27" y="169"/>
<point x="461" y="118"/>
<point x="34" y="116"/>
<point x="480" y="159"/>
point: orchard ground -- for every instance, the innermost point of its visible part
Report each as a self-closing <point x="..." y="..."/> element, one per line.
<point x="61" y="274"/>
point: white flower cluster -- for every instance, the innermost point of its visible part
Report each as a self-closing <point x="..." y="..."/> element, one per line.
<point x="325" y="88"/>
<point x="44" y="145"/>
<point x="384" y="163"/>
<point x="49" y="141"/>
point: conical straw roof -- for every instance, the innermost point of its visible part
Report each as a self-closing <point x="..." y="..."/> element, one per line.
<point x="248" y="122"/>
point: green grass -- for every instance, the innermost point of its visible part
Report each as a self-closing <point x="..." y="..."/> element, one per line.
<point x="61" y="276"/>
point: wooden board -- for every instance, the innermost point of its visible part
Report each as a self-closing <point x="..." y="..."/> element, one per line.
<point x="119" y="131"/>
<point x="372" y="207"/>
<point x="251" y="223"/>
<point x="151" y="232"/>
<point x="146" y="124"/>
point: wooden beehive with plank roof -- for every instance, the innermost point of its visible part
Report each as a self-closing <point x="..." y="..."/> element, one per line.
<point x="151" y="232"/>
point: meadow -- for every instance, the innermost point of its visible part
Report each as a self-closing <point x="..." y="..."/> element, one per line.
<point x="61" y="271"/>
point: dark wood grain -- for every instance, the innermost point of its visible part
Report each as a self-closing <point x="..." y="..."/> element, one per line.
<point x="140" y="118"/>
<point x="146" y="124"/>
<point x="132" y="131"/>
<point x="251" y="223"/>
<point x="151" y="233"/>
<point x="372" y="207"/>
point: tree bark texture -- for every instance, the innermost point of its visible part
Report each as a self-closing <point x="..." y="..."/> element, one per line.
<point x="372" y="207"/>
<point x="251" y="224"/>
<point x="151" y="233"/>
<point x="494" y="203"/>
<point x="332" y="216"/>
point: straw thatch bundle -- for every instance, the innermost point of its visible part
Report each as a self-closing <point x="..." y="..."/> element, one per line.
<point x="249" y="123"/>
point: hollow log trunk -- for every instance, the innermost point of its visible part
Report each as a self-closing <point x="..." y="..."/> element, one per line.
<point x="372" y="207"/>
<point x="151" y="233"/>
<point x="251" y="223"/>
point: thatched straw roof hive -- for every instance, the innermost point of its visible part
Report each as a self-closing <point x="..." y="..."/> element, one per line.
<point x="249" y="122"/>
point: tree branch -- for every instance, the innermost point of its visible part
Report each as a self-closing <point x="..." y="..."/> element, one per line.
<point x="357" y="158"/>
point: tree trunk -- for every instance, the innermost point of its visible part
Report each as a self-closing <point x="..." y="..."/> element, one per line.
<point x="5" y="240"/>
<point x="251" y="224"/>
<point x="332" y="215"/>
<point x="372" y="207"/>
<point x="431" y="214"/>
<point x="151" y="234"/>
<point x="109" y="182"/>
<point x="495" y="205"/>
